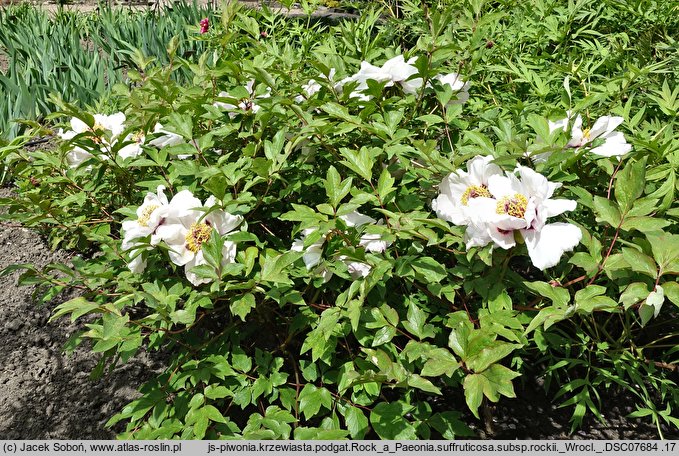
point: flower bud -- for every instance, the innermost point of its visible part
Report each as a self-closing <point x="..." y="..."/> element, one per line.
<point x="204" y="25"/>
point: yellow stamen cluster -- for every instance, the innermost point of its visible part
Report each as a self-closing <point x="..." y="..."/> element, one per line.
<point x="512" y="205"/>
<point x="138" y="137"/>
<point x="198" y="233"/>
<point x="585" y="133"/>
<point x="146" y="214"/>
<point x="474" y="191"/>
<point x="97" y="128"/>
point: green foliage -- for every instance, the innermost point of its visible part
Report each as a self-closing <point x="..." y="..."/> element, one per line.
<point x="306" y="332"/>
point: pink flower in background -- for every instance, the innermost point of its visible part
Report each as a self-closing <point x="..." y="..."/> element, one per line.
<point x="204" y="25"/>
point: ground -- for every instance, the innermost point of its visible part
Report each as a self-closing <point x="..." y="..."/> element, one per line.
<point x="45" y="394"/>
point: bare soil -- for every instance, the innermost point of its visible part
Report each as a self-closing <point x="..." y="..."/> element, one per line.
<point x="45" y="394"/>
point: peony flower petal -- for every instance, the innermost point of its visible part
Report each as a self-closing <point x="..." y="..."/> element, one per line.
<point x="357" y="270"/>
<point x="615" y="146"/>
<point x="180" y="255"/>
<point x="553" y="207"/>
<point x="500" y="186"/>
<point x="228" y="252"/>
<point x="138" y="263"/>
<point x="312" y="255"/>
<point x="356" y="219"/>
<point x="78" y="126"/>
<point x="604" y="125"/>
<point x="373" y="243"/>
<point x="447" y="210"/>
<point x="545" y="247"/>
<point x="224" y="222"/>
<point x="577" y="134"/>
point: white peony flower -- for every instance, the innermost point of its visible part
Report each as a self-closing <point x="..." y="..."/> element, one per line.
<point x="186" y="228"/>
<point x="150" y="215"/>
<point x="133" y="149"/>
<point x="495" y="208"/>
<point x="165" y="138"/>
<point x="356" y="269"/>
<point x="245" y="104"/>
<point x="394" y="71"/>
<point x="561" y="124"/>
<point x="457" y="85"/>
<point x="524" y="204"/>
<point x="370" y="242"/>
<point x="312" y="87"/>
<point x="459" y="187"/>
<point x="400" y="72"/>
<point x="614" y="144"/>
<point x="113" y="124"/>
<point x="313" y="254"/>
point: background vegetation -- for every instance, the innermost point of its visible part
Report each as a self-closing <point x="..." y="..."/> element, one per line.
<point x="268" y="348"/>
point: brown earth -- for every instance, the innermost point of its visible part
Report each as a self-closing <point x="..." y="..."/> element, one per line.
<point x="45" y="394"/>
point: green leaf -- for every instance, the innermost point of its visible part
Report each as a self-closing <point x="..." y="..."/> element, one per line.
<point x="640" y="262"/>
<point x="416" y="320"/>
<point x="336" y="188"/>
<point x="383" y="335"/>
<point x="672" y="292"/>
<point x="217" y="392"/>
<point x="308" y="433"/>
<point x="440" y="361"/>
<point x="304" y="214"/>
<point x="356" y="422"/>
<point x="643" y="224"/>
<point x="607" y="211"/>
<point x="312" y="398"/>
<point x="431" y="270"/>
<point x="500" y="380"/>
<point x="481" y="358"/>
<point x="629" y="185"/>
<point x="361" y="161"/>
<point x="273" y="267"/>
<point x="422" y="383"/>
<point x="548" y="317"/>
<point x="341" y="112"/>
<point x="77" y="307"/>
<point x="634" y="293"/>
<point x="328" y="321"/>
<point x="241" y="307"/>
<point x="493" y="382"/>
<point x="590" y="298"/>
<point x="182" y="124"/>
<point x="458" y="338"/>
<point x="449" y="425"/>
<point x="558" y="295"/>
<point x="665" y="247"/>
<point x="388" y="421"/>
<point x="385" y="184"/>
<point x="474" y="385"/>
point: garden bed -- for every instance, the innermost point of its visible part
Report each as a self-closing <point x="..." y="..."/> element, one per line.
<point x="45" y="394"/>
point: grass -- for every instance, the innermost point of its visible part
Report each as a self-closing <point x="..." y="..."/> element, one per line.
<point x="80" y="56"/>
